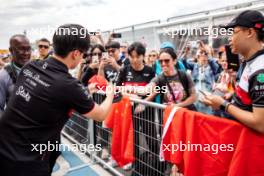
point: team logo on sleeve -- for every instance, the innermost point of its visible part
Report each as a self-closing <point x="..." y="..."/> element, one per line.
<point x="260" y="78"/>
<point x="45" y="65"/>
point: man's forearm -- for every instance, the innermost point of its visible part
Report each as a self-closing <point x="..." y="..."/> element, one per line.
<point x="106" y="106"/>
<point x="245" y="117"/>
<point x="188" y="101"/>
<point x="150" y="97"/>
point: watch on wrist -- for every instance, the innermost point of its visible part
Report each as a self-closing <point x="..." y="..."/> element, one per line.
<point x="223" y="107"/>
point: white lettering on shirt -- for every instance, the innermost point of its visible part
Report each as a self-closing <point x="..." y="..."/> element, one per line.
<point x="22" y="92"/>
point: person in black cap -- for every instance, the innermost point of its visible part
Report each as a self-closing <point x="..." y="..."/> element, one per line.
<point x="247" y="105"/>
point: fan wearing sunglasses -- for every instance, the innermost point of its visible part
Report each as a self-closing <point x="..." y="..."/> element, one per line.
<point x="43" y="48"/>
<point x="175" y="86"/>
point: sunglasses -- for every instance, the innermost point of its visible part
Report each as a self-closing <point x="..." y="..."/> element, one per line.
<point x="97" y="54"/>
<point x="166" y="61"/>
<point x="43" y="46"/>
<point x="152" y="55"/>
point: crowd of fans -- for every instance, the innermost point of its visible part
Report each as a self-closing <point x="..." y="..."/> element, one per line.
<point x="182" y="80"/>
<point x="181" y="77"/>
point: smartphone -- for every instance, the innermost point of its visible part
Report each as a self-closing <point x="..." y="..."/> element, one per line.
<point x="232" y="59"/>
<point x="117" y="35"/>
<point x="95" y="59"/>
<point x="105" y="55"/>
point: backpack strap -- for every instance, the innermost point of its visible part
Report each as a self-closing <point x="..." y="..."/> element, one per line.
<point x="12" y="73"/>
<point x="170" y="89"/>
<point x="184" y="81"/>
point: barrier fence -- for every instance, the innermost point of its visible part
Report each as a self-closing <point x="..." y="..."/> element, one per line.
<point x="147" y="126"/>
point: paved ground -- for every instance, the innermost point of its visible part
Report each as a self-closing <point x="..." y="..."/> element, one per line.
<point x="76" y="164"/>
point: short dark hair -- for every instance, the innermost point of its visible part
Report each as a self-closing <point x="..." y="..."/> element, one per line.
<point x="100" y="47"/>
<point x="169" y="51"/>
<point x="70" y="37"/>
<point x="44" y="40"/>
<point x="260" y="36"/>
<point x="138" y="47"/>
<point x="112" y="44"/>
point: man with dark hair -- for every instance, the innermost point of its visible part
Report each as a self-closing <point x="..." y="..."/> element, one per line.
<point x="21" y="51"/>
<point x="45" y="96"/>
<point x="137" y="74"/>
<point x="43" y="48"/>
<point x="248" y="102"/>
<point x="109" y="67"/>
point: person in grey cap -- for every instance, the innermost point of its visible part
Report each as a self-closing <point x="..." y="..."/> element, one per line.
<point x="247" y="105"/>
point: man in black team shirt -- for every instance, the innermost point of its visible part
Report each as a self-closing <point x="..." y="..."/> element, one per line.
<point x="248" y="102"/>
<point x="137" y="74"/>
<point x="44" y="97"/>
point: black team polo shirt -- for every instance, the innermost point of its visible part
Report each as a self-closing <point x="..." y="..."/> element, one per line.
<point x="41" y="103"/>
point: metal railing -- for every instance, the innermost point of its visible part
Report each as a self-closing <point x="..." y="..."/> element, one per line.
<point x="147" y="139"/>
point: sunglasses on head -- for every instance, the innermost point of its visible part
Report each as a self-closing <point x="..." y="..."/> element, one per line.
<point x="166" y="61"/>
<point x="97" y="54"/>
<point x="43" y="46"/>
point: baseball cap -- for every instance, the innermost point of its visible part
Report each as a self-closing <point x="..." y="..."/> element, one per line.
<point x="167" y="45"/>
<point x="248" y="18"/>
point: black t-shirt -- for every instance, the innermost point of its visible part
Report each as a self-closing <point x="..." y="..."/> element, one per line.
<point x="43" y="98"/>
<point x="249" y="91"/>
<point x="131" y="77"/>
<point x="110" y="73"/>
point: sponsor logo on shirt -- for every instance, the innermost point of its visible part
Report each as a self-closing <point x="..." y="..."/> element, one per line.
<point x="22" y="92"/>
<point x="260" y="78"/>
<point x="146" y="74"/>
